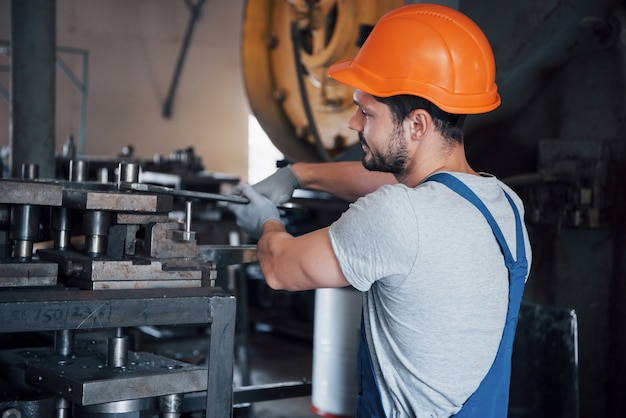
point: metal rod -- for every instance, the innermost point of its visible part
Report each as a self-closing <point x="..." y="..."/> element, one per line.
<point x="151" y="188"/>
<point x="195" y="15"/>
<point x="188" y="216"/>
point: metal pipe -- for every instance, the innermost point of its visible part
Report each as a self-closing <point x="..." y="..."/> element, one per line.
<point x="195" y="15"/>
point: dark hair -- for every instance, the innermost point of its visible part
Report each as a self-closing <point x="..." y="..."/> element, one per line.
<point x="450" y="125"/>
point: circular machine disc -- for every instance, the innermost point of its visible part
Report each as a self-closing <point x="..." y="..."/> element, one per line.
<point x="287" y="47"/>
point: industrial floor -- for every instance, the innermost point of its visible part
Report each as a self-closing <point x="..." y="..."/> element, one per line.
<point x="275" y="358"/>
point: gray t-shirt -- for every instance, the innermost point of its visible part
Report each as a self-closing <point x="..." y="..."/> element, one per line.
<point x="436" y="288"/>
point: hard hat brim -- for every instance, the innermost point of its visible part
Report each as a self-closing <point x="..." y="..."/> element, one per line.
<point x="348" y="72"/>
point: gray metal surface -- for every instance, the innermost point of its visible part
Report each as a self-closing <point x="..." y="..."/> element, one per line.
<point x="57" y="308"/>
<point x="30" y="273"/>
<point x="227" y="255"/>
<point x="85" y="378"/>
<point x="33" y="41"/>
<point x="27" y="310"/>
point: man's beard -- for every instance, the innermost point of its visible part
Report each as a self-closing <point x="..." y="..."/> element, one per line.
<point x="392" y="161"/>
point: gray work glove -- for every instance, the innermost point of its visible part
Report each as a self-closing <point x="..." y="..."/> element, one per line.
<point x="279" y="187"/>
<point x="252" y="216"/>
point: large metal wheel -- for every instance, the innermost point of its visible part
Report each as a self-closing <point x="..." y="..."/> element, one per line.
<point x="287" y="48"/>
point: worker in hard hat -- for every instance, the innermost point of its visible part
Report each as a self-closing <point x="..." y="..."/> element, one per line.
<point x="439" y="250"/>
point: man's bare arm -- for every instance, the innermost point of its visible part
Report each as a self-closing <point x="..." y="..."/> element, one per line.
<point x="298" y="263"/>
<point x="347" y="180"/>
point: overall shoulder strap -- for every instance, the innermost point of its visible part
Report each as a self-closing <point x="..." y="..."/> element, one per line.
<point x="490" y="400"/>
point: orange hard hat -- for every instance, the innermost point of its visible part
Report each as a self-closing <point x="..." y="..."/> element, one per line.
<point x="426" y="50"/>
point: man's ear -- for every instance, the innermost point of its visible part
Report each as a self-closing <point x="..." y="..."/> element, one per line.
<point x="420" y="122"/>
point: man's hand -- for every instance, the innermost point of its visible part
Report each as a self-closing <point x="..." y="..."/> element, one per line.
<point x="252" y="216"/>
<point x="279" y="187"/>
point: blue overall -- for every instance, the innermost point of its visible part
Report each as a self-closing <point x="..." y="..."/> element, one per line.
<point x="491" y="399"/>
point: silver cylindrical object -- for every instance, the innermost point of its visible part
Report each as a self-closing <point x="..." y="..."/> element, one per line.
<point x="170" y="406"/>
<point x="188" y="216"/>
<point x="117" y="350"/>
<point x="61" y="227"/>
<point x="79" y="171"/>
<point x="30" y="171"/>
<point x="96" y="229"/>
<point x="103" y="175"/>
<point x="64" y="342"/>
<point x="22" y="249"/>
<point x="63" y="408"/>
<point x="139" y="408"/>
<point x="129" y="172"/>
<point x="24" y="229"/>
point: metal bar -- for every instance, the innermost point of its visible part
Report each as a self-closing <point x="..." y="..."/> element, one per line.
<point x="33" y="35"/>
<point x="81" y="86"/>
<point x="68" y="73"/>
<point x="70" y="50"/>
<point x="227" y="255"/>
<point x="28" y="310"/>
<point x="82" y="128"/>
<point x="252" y="394"/>
<point x="151" y="188"/>
<point x="5" y="49"/>
<point x="219" y="397"/>
<point x="195" y="15"/>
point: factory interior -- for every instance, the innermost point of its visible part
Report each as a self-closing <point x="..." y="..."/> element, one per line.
<point x="126" y="287"/>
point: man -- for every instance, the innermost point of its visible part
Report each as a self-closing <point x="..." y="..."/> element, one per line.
<point x="439" y="250"/>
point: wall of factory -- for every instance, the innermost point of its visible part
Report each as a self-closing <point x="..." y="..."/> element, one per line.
<point x="133" y="48"/>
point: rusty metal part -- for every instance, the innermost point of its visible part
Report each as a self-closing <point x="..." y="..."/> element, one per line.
<point x="116" y="201"/>
<point x="140" y="218"/>
<point x="278" y="78"/>
<point x="128" y="241"/>
<point x="31" y="192"/>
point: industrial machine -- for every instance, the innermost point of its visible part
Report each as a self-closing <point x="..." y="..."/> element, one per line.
<point x="75" y="253"/>
<point x="87" y="261"/>
<point x="557" y="139"/>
